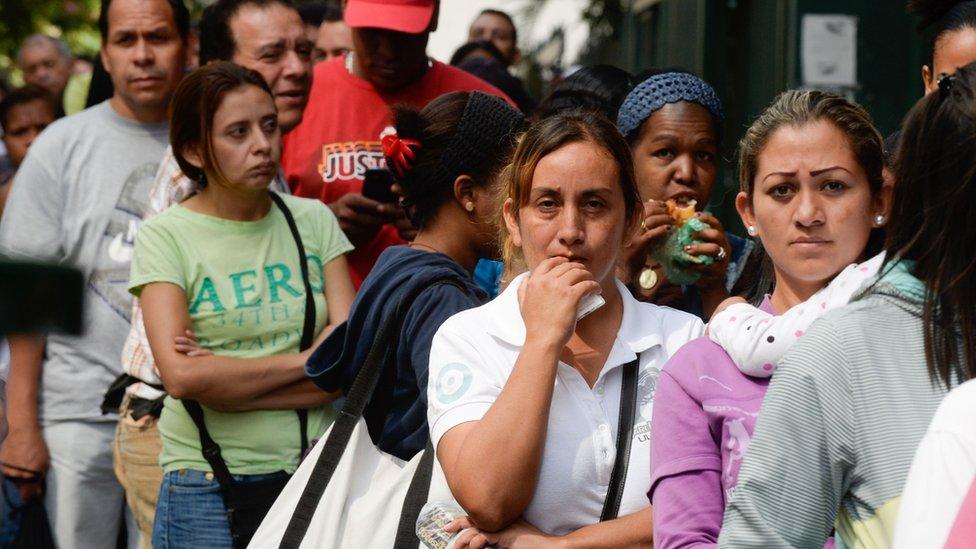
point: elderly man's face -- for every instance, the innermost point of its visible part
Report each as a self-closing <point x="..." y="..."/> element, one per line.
<point x="45" y="67"/>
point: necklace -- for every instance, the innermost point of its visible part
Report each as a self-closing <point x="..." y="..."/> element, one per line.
<point x="422" y="245"/>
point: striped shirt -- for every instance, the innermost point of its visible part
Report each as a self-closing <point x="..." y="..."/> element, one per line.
<point x="839" y="426"/>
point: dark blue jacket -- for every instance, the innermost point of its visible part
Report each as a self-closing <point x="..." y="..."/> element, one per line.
<point x="397" y="414"/>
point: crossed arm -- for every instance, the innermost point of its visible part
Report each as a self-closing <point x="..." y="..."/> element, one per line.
<point x="236" y="384"/>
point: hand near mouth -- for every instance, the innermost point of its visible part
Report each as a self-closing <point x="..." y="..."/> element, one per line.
<point x="550" y="297"/>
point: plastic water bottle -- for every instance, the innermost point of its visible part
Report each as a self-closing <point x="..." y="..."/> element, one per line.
<point x="434" y="516"/>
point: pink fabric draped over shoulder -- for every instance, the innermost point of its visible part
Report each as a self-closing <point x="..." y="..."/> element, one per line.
<point x="704" y="415"/>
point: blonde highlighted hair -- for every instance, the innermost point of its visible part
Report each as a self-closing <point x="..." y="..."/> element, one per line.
<point x="545" y="137"/>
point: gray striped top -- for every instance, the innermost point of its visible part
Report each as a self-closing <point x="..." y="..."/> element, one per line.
<point x="838" y="428"/>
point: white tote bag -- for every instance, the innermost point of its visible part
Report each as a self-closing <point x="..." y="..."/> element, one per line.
<point x="348" y="493"/>
<point x="362" y="504"/>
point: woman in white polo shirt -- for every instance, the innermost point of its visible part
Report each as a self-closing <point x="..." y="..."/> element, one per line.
<point x="523" y="400"/>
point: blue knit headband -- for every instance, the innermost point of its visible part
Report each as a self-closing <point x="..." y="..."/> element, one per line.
<point x="661" y="89"/>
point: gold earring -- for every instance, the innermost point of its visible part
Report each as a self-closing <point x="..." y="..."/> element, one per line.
<point x="469" y="206"/>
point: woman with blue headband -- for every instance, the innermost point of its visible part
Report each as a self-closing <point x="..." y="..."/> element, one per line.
<point x="673" y="122"/>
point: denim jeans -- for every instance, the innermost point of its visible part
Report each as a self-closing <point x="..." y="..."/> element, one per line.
<point x="190" y="511"/>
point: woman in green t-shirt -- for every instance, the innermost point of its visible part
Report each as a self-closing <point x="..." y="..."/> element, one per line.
<point x="224" y="300"/>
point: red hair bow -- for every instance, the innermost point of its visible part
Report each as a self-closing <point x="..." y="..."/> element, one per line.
<point x="400" y="153"/>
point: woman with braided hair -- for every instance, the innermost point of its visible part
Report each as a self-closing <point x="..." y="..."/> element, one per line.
<point x="445" y="159"/>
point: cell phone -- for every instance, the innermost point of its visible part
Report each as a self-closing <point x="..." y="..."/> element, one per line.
<point x="376" y="186"/>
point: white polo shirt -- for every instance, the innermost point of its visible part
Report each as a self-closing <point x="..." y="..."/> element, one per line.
<point x="473" y="354"/>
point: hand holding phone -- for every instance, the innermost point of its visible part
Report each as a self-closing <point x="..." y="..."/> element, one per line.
<point x="377" y="185"/>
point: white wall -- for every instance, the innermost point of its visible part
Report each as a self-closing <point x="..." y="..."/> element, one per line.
<point x="457" y="15"/>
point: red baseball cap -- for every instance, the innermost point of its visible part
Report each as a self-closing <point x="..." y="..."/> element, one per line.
<point x="409" y="16"/>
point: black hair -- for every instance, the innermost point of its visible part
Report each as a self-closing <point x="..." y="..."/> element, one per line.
<point x="101" y="86"/>
<point x="931" y="222"/>
<point x="599" y="87"/>
<point x="216" y="39"/>
<point x="181" y="16"/>
<point x="21" y="96"/>
<point x="464" y="51"/>
<point x="505" y="16"/>
<point x="460" y="133"/>
<point x="312" y="13"/>
<point x="332" y="13"/>
<point x="940" y="17"/>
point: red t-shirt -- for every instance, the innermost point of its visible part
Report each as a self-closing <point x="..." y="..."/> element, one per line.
<point x="327" y="155"/>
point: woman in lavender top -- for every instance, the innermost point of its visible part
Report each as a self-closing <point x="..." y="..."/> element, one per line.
<point x="812" y="194"/>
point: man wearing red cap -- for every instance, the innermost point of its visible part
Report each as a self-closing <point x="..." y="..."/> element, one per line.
<point x="328" y="154"/>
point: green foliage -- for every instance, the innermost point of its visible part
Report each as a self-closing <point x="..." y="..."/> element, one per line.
<point x="74" y="20"/>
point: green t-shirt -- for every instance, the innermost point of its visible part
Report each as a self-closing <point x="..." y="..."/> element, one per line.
<point x="246" y="299"/>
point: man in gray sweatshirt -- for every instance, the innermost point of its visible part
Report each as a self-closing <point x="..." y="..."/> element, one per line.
<point x="77" y="200"/>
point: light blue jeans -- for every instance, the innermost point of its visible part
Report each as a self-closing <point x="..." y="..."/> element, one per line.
<point x="190" y="512"/>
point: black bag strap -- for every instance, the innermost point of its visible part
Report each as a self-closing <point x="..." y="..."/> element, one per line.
<point x="208" y="446"/>
<point x="308" y="329"/>
<point x="625" y="431"/>
<point x="359" y="394"/>
<point x="417" y="492"/>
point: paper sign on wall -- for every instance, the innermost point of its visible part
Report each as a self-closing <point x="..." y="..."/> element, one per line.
<point x="829" y="50"/>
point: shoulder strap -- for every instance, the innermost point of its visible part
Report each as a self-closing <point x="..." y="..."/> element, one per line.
<point x="625" y="431"/>
<point x="308" y="328"/>
<point x="417" y="492"/>
<point x="380" y="354"/>
<point x="208" y="446"/>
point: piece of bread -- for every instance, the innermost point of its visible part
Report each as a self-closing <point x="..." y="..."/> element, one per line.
<point x="680" y="214"/>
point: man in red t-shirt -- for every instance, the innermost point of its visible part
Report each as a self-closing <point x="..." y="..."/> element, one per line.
<point x="348" y="112"/>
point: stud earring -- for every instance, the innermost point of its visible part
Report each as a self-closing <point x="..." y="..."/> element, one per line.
<point x="469" y="206"/>
<point x="752" y="230"/>
<point x="879" y="220"/>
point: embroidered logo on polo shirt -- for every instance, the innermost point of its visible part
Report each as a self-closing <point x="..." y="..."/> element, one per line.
<point x="453" y="382"/>
<point x="646" y="385"/>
